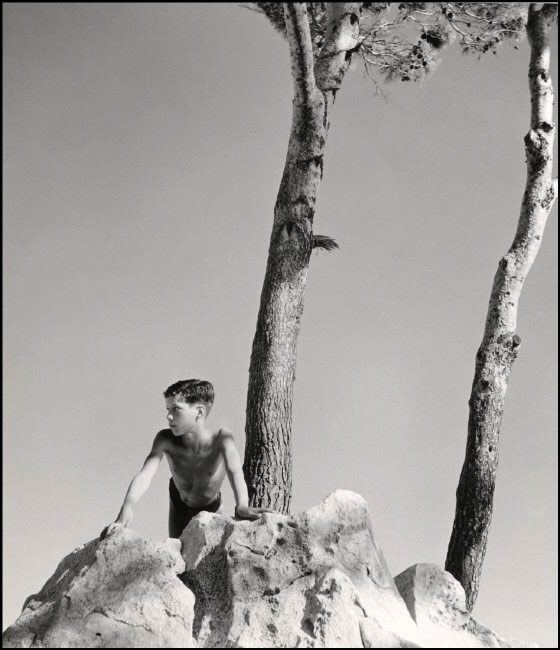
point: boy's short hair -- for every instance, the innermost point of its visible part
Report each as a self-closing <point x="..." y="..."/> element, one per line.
<point x="192" y="391"/>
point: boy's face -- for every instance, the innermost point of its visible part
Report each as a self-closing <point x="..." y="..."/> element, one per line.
<point x="182" y="417"/>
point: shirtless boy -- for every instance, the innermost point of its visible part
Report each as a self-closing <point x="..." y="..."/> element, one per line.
<point x="198" y="457"/>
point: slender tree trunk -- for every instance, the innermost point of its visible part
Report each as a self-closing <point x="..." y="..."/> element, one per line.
<point x="268" y="450"/>
<point x="500" y="343"/>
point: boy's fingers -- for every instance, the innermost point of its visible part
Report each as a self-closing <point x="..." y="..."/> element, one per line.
<point x="250" y="514"/>
<point x="108" y="529"/>
<point x="253" y="513"/>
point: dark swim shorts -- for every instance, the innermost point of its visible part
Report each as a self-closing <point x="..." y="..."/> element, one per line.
<point x="180" y="513"/>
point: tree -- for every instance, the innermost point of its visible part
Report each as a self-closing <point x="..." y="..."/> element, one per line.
<point x="268" y="461"/>
<point x="399" y="42"/>
<point x="500" y="343"/>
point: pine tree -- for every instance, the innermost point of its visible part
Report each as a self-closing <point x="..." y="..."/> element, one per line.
<point x="500" y="343"/>
<point x="394" y="42"/>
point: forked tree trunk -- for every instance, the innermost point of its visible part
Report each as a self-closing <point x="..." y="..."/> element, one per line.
<point x="500" y="343"/>
<point x="268" y="449"/>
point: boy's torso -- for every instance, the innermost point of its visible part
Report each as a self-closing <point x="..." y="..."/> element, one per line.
<point x="197" y="476"/>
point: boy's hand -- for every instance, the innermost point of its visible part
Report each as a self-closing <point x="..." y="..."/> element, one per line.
<point x="124" y="518"/>
<point x="248" y="512"/>
<point x="108" y="530"/>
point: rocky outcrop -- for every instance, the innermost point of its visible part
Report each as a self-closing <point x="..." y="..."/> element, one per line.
<point x="436" y="602"/>
<point x="122" y="592"/>
<point x="316" y="579"/>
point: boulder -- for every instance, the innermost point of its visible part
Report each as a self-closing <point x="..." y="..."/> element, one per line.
<point x="315" y="579"/>
<point x="436" y="601"/>
<point x="121" y="592"/>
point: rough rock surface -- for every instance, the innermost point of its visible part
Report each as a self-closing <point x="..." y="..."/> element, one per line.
<point x="436" y="601"/>
<point x="122" y="592"/>
<point x="316" y="579"/>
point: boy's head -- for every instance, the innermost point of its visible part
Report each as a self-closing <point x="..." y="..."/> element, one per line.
<point x="192" y="391"/>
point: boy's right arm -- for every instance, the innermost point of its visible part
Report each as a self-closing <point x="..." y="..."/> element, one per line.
<point x="141" y="481"/>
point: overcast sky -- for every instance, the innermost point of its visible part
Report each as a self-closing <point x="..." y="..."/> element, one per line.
<point x="143" y="149"/>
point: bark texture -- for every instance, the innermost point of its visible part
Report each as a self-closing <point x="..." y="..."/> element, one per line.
<point x="268" y="450"/>
<point x="500" y="342"/>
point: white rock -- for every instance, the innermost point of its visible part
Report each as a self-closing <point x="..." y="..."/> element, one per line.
<point x="436" y="601"/>
<point x="122" y="592"/>
<point x="316" y="579"/>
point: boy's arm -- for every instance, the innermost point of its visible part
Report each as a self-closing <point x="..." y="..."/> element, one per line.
<point x="141" y="481"/>
<point x="237" y="480"/>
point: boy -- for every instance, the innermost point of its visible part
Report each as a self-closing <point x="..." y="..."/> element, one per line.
<point x="198" y="457"/>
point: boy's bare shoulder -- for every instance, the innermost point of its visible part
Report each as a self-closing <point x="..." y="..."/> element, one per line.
<point x="224" y="437"/>
<point x="162" y="438"/>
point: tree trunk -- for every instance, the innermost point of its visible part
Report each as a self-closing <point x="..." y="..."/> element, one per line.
<point x="500" y="343"/>
<point x="268" y="451"/>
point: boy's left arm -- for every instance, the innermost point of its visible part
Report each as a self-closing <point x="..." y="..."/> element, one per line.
<point x="235" y="475"/>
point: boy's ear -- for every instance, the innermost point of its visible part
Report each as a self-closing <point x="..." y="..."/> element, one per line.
<point x="201" y="410"/>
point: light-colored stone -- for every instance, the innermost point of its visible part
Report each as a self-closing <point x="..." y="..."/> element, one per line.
<point x="436" y="601"/>
<point x="316" y="579"/>
<point x="433" y="596"/>
<point x="122" y="592"/>
<point x="490" y="639"/>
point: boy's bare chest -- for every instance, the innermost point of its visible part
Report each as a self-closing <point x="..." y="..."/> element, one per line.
<point x="186" y="464"/>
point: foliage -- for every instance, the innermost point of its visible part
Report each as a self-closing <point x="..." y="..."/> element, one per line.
<point x="404" y="41"/>
<point x="325" y="243"/>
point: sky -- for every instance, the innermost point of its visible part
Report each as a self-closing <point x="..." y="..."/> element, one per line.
<point x="143" y="149"/>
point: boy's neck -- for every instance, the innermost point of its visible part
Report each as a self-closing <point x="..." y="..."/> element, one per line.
<point x="196" y="437"/>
